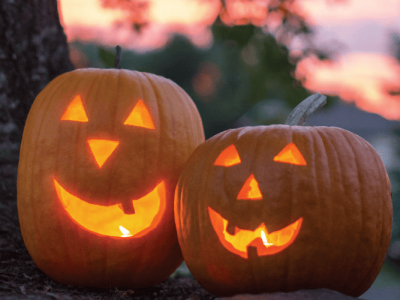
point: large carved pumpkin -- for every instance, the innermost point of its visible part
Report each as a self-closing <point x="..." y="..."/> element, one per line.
<point x="101" y="153"/>
<point x="282" y="208"/>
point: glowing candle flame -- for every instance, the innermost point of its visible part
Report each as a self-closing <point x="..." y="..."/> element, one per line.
<point x="125" y="232"/>
<point x="264" y="238"/>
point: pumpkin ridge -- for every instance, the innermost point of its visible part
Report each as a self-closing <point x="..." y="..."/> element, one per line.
<point x="118" y="89"/>
<point x="74" y="163"/>
<point x="356" y="289"/>
<point x="378" y="260"/>
<point x="342" y="182"/>
<point x="380" y="236"/>
<point x="210" y="162"/>
<point x="79" y="249"/>
<point x="258" y="283"/>
<point x="335" y="165"/>
<point x="47" y="101"/>
<point x="325" y="151"/>
<point x="173" y="90"/>
<point x="147" y="88"/>
<point x="288" y="260"/>
<point x="379" y="164"/>
<point x="149" y="78"/>
<point x="116" y="122"/>
<point x="299" y="132"/>
<point x="208" y="165"/>
<point x="258" y="153"/>
<point x="361" y="195"/>
<point x="96" y="93"/>
<point x="345" y="284"/>
<point x="38" y="241"/>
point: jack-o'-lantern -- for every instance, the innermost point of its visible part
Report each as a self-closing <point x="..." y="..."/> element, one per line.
<point x="101" y="153"/>
<point x="284" y="207"/>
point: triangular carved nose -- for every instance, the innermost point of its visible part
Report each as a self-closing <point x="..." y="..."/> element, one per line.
<point x="250" y="190"/>
<point x="102" y="149"/>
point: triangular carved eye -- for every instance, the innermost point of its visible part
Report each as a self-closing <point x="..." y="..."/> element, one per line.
<point x="140" y="116"/>
<point x="250" y="190"/>
<point x="228" y="157"/>
<point x="75" y="111"/>
<point x="291" y="155"/>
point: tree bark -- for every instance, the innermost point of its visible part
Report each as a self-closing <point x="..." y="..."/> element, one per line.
<point x="33" y="50"/>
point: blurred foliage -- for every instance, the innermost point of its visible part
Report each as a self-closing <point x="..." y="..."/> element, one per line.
<point x="137" y="12"/>
<point x="244" y="68"/>
<point x="290" y="21"/>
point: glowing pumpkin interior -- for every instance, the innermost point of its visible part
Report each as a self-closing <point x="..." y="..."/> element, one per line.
<point x="264" y="242"/>
<point x="102" y="149"/>
<point x="290" y="155"/>
<point x="228" y="157"/>
<point x="75" y="111"/>
<point x="250" y="190"/>
<point x="140" y="116"/>
<point x="111" y="220"/>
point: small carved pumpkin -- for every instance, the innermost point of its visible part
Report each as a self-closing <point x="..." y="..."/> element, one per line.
<point x="101" y="153"/>
<point x="284" y="207"/>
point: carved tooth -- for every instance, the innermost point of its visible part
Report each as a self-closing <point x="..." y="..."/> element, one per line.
<point x="230" y="228"/>
<point x="252" y="252"/>
<point x="128" y="208"/>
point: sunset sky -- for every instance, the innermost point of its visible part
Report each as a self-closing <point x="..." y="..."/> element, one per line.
<point x="360" y="29"/>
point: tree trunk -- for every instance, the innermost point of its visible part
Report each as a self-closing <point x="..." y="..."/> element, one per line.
<point x="33" y="50"/>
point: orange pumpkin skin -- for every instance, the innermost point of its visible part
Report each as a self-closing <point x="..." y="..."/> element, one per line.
<point x="59" y="158"/>
<point x="342" y="195"/>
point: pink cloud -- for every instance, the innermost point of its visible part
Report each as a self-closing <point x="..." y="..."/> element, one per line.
<point x="360" y="77"/>
<point x="154" y="36"/>
<point x="328" y="12"/>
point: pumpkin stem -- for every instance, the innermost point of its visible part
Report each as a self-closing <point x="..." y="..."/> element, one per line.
<point x="117" y="63"/>
<point x="302" y="112"/>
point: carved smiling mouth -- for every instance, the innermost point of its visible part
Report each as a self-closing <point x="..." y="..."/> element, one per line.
<point x="265" y="243"/>
<point x="111" y="220"/>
